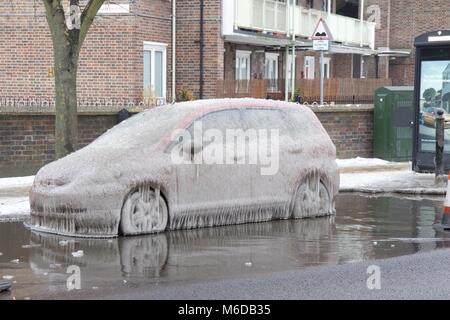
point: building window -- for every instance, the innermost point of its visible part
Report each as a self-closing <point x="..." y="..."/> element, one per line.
<point x="155" y="70"/>
<point x="243" y="65"/>
<point x="271" y="71"/>
<point x="348" y="8"/>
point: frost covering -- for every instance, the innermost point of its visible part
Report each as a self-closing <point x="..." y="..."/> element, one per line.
<point x="126" y="182"/>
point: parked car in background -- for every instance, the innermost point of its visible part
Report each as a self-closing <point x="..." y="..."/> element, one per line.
<point x="429" y="117"/>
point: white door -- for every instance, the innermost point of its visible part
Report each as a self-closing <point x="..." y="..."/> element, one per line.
<point x="242" y="65"/>
<point x="326" y="67"/>
<point x="271" y="71"/>
<point x="309" y="67"/>
<point x="242" y="71"/>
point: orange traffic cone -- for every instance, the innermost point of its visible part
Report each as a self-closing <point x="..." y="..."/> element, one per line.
<point x="445" y="225"/>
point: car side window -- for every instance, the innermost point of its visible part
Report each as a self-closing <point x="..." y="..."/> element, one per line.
<point x="219" y="120"/>
<point x="268" y="119"/>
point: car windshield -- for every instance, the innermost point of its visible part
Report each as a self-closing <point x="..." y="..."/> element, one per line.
<point x="144" y="129"/>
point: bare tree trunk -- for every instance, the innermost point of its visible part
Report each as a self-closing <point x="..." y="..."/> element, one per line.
<point x="67" y="42"/>
<point x="66" y="122"/>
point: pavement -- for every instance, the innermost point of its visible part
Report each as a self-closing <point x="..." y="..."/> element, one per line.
<point x="379" y="176"/>
<point x="420" y="276"/>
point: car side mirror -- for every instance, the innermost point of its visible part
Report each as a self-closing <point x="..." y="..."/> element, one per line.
<point x="196" y="146"/>
<point x="190" y="146"/>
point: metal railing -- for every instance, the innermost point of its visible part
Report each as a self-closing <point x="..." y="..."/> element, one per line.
<point x="337" y="90"/>
<point x="271" y="17"/>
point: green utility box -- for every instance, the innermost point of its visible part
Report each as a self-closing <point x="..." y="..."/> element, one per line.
<point x="393" y="123"/>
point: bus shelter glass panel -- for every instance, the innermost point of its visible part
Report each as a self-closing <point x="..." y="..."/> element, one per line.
<point x="434" y="94"/>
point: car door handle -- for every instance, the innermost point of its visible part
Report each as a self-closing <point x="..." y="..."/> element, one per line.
<point x="295" y="150"/>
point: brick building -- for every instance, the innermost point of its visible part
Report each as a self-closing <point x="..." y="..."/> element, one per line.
<point x="129" y="48"/>
<point x="222" y="48"/>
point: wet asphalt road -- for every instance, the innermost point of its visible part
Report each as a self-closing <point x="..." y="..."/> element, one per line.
<point x="420" y="276"/>
<point x="323" y="258"/>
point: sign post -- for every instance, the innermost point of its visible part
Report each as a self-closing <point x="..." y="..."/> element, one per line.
<point x="321" y="42"/>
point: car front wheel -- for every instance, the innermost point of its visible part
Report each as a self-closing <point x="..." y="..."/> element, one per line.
<point x="144" y="211"/>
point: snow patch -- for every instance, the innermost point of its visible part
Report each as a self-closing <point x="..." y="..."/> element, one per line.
<point x="361" y="162"/>
<point x="397" y="181"/>
<point x="16" y="182"/>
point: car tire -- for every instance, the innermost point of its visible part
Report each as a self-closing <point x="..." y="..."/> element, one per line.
<point x="312" y="199"/>
<point x="144" y="211"/>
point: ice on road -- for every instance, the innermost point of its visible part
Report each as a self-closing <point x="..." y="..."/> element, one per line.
<point x="13" y="207"/>
<point x="14" y="201"/>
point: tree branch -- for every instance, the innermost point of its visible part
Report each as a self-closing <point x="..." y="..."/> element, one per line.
<point x="87" y="18"/>
<point x="56" y="20"/>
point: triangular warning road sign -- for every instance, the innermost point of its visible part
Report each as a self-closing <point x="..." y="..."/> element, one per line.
<point x="322" y="32"/>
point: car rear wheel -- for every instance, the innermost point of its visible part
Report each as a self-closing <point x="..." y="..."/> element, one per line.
<point x="312" y="199"/>
<point x="144" y="211"/>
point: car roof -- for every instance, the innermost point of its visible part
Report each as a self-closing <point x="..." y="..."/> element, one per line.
<point x="222" y="104"/>
<point x="200" y="108"/>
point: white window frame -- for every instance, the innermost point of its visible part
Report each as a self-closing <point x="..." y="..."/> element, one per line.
<point x="270" y="58"/>
<point x="162" y="47"/>
<point x="239" y="55"/>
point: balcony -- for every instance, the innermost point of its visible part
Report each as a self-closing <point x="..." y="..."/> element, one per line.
<point x="274" y="18"/>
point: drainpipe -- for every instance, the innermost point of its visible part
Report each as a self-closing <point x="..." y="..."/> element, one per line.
<point x="362" y="21"/>
<point x="286" y="72"/>
<point x="286" y="78"/>
<point x="388" y="37"/>
<point x="293" y="49"/>
<point x="377" y="66"/>
<point x="174" y="47"/>
<point x="202" y="38"/>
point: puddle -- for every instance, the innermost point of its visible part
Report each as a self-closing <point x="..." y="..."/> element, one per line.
<point x="364" y="228"/>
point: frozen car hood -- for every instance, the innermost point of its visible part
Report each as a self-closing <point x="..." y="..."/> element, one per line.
<point x="121" y="147"/>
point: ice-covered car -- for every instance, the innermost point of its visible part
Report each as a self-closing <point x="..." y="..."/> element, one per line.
<point x="189" y="165"/>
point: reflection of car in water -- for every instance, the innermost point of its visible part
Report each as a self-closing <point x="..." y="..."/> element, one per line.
<point x="180" y="254"/>
<point x="429" y="117"/>
<point x="126" y="181"/>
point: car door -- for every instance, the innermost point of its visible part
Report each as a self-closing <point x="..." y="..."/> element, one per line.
<point x="269" y="185"/>
<point x="211" y="181"/>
